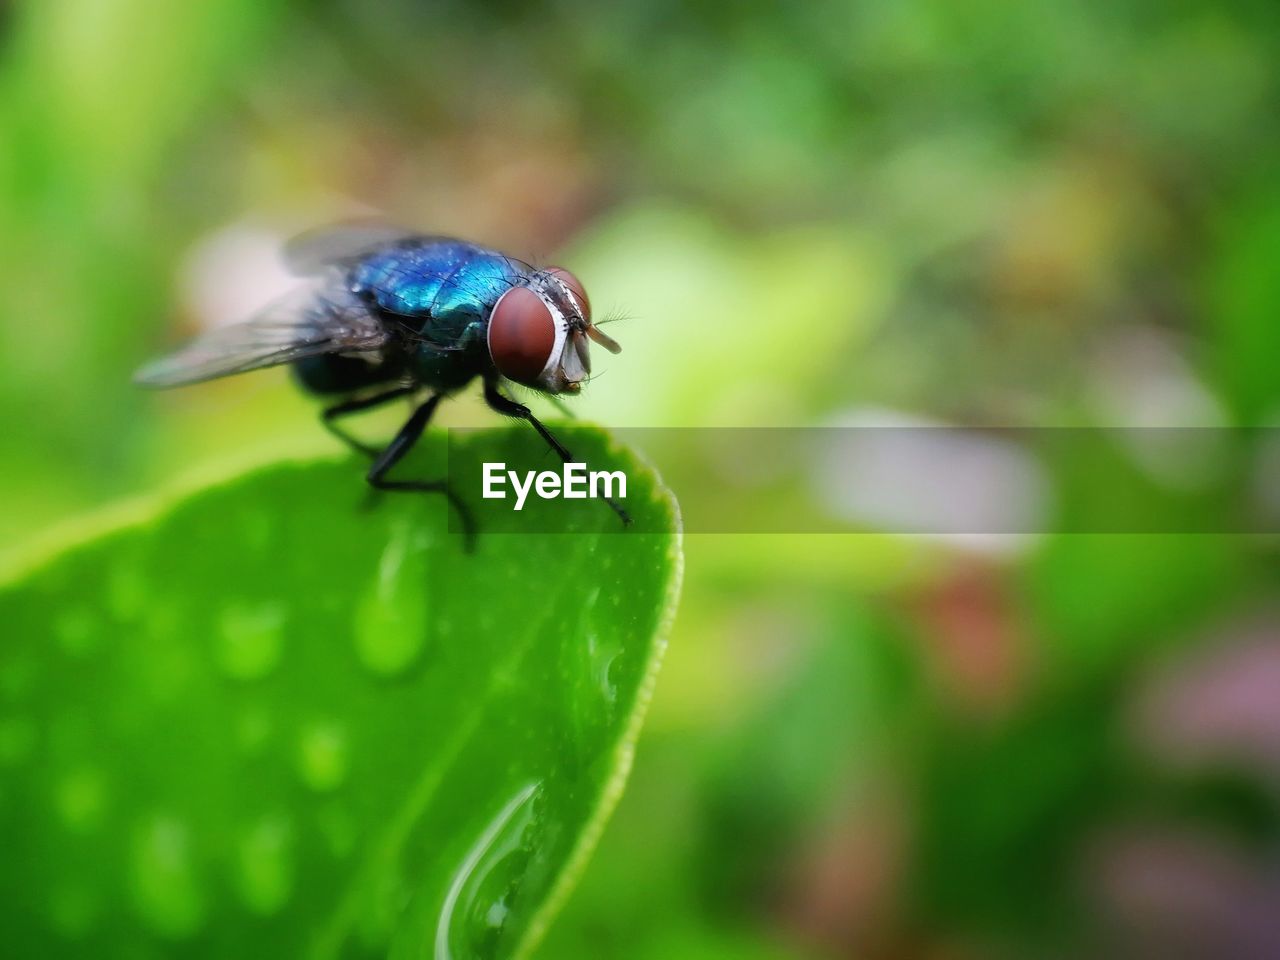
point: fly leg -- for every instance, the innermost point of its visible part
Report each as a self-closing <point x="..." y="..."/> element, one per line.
<point x="508" y="407"/>
<point x="402" y="444"/>
<point x="330" y="414"/>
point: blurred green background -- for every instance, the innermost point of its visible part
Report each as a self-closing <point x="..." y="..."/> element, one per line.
<point x="1046" y="213"/>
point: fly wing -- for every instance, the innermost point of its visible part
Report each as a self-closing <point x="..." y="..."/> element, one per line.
<point x="305" y="323"/>
<point x="312" y="252"/>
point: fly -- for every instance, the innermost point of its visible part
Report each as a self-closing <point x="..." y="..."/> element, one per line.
<point x="387" y="314"/>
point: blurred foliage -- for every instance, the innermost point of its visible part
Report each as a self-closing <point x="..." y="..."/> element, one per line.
<point x="1047" y="213"/>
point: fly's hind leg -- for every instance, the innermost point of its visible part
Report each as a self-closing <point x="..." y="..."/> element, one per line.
<point x="395" y="451"/>
<point x="330" y="414"/>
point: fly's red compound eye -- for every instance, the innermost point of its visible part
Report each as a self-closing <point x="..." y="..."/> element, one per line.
<point x="575" y="287"/>
<point x="522" y="335"/>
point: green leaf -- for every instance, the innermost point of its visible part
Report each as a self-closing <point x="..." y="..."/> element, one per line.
<point x="282" y="718"/>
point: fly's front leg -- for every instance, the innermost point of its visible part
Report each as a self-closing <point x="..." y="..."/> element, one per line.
<point x="395" y="451"/>
<point x="508" y="407"/>
<point x="330" y="414"/>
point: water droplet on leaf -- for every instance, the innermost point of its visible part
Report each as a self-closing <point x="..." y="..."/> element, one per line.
<point x="126" y="593"/>
<point x="479" y="900"/>
<point x="75" y="631"/>
<point x="17" y="740"/>
<point x="80" y="798"/>
<point x="165" y="889"/>
<point x="603" y="656"/>
<point x="264" y="865"/>
<point x="322" y="756"/>
<point x="250" y="639"/>
<point x="391" y="617"/>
